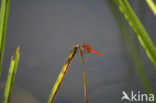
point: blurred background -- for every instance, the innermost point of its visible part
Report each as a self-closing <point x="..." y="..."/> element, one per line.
<point x="46" y="32"/>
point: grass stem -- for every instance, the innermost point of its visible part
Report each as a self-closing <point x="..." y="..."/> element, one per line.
<point x="11" y="76"/>
<point x="84" y="79"/>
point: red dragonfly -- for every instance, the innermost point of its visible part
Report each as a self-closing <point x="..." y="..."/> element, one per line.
<point x="88" y="48"/>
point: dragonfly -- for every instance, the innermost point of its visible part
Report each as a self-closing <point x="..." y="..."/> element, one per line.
<point x="89" y="49"/>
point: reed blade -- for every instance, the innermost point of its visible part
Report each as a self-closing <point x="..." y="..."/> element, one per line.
<point x="11" y="76"/>
<point x="152" y="6"/>
<point x="61" y="76"/>
<point x="132" y="48"/>
<point x="4" y="13"/>
<point x="138" y="28"/>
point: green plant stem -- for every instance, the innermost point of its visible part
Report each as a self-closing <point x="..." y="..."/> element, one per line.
<point x="7" y="92"/>
<point x="11" y="76"/>
<point x="4" y="13"/>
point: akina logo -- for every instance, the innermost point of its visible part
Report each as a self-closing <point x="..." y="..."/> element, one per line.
<point x="137" y="96"/>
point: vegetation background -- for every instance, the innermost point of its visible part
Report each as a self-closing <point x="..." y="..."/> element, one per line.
<point x="47" y="30"/>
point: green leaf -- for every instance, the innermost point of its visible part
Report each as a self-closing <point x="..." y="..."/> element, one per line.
<point x="4" y="12"/>
<point x="152" y="6"/>
<point x="11" y="76"/>
<point x="137" y="26"/>
<point x="61" y="76"/>
<point x="132" y="48"/>
<point x="8" y="86"/>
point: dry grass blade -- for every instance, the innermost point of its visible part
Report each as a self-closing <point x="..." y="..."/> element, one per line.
<point x="61" y="76"/>
<point x="85" y="89"/>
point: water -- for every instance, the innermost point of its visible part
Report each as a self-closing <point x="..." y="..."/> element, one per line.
<point x="46" y="32"/>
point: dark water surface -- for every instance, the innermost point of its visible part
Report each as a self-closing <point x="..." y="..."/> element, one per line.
<point x="47" y="30"/>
